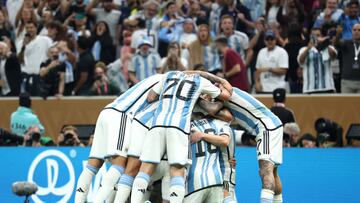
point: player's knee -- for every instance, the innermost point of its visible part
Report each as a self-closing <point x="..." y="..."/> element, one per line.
<point x="97" y="163"/>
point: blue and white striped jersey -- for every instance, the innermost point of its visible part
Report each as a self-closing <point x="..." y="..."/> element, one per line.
<point x="134" y="99"/>
<point x="239" y="42"/>
<point x="211" y="59"/>
<point x="205" y="170"/>
<point x="226" y="154"/>
<point x="146" y="114"/>
<point x="144" y="66"/>
<point x="250" y="113"/>
<point x="178" y="93"/>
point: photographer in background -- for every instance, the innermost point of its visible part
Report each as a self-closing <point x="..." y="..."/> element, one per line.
<point x="173" y="61"/>
<point x="32" y="137"/>
<point x="102" y="85"/>
<point x="52" y="75"/>
<point x="315" y="60"/>
<point x="69" y="137"/>
<point x="9" y="139"/>
<point x="24" y="117"/>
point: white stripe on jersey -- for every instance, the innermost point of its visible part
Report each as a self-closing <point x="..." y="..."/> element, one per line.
<point x="211" y="59"/>
<point x="178" y="93"/>
<point x="205" y="170"/>
<point x="250" y="113"/>
<point x="226" y="154"/>
<point x="135" y="98"/>
<point x="144" y="67"/>
<point x="239" y="42"/>
<point x="146" y="115"/>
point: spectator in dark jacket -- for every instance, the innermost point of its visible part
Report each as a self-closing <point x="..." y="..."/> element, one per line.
<point x="286" y="115"/>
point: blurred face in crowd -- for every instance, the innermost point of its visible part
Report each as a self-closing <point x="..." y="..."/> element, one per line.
<point x="151" y="10"/>
<point x="270" y="42"/>
<point x="144" y="49"/>
<point x="2" y="17"/>
<point x="3" y="49"/>
<point x="227" y="26"/>
<point x="188" y="27"/>
<point x="308" y="144"/>
<point x="331" y="4"/>
<point x="100" y="28"/>
<point x="353" y="10"/>
<point x="31" y="29"/>
<point x="53" y="4"/>
<point x="195" y="6"/>
<point x="54" y="53"/>
<point x="47" y="17"/>
<point x="203" y="33"/>
<point x="52" y="32"/>
<point x="171" y="10"/>
<point x="356" y="32"/>
<point x="316" y="33"/>
<point x="107" y="4"/>
<point x="99" y="73"/>
<point x="28" y="4"/>
<point x="26" y="14"/>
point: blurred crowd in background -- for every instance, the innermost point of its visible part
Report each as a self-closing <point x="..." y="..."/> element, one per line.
<point x="103" y="47"/>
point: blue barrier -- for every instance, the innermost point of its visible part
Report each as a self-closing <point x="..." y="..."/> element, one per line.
<point x="308" y="175"/>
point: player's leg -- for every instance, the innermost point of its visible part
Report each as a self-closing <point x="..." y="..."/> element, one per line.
<point x="97" y="154"/>
<point x="278" y="187"/>
<point x="198" y="196"/>
<point x="118" y="131"/>
<point x="152" y="151"/>
<point x="267" y="180"/>
<point x="133" y="163"/>
<point x="177" y="148"/>
<point x="165" y="182"/>
<point x="85" y="178"/>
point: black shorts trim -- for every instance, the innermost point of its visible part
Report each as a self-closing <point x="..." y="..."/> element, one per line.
<point x="162" y="126"/>
<point x="218" y="185"/>
<point x="134" y="119"/>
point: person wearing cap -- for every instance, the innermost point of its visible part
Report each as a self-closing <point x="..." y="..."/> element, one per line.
<point x="234" y="68"/>
<point x="286" y="115"/>
<point x="271" y="65"/>
<point x="315" y="59"/>
<point x="144" y="62"/>
<point x="23" y="118"/>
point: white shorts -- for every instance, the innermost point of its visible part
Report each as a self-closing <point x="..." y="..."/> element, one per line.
<point x="230" y="188"/>
<point x="171" y="141"/>
<point x="269" y="146"/>
<point x="138" y="134"/>
<point x="212" y="194"/>
<point x="112" y="133"/>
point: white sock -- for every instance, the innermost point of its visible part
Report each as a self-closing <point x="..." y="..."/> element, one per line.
<point x="108" y="183"/>
<point x="177" y="189"/>
<point x="124" y="188"/>
<point x="266" y="196"/>
<point x="140" y="185"/>
<point x="83" y="184"/>
<point x="278" y="198"/>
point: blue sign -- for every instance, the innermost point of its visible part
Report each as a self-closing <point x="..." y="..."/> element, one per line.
<point x="308" y="175"/>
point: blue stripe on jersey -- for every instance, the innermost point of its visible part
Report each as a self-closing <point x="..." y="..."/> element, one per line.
<point x="137" y="67"/>
<point x="258" y="106"/>
<point x="308" y="62"/>
<point x="316" y="71"/>
<point x="188" y="103"/>
<point x="192" y="169"/>
<point x="126" y="94"/>
<point x="238" y="45"/>
<point x="153" y="65"/>
<point x="217" y="175"/>
<point x="206" y="59"/>
<point x="208" y="156"/>
<point x="146" y="117"/>
<point x="323" y="74"/>
<point x="205" y="158"/>
<point x="146" y="66"/>
<point x="245" y="119"/>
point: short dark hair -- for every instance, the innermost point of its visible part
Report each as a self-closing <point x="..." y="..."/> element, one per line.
<point x="25" y="100"/>
<point x="279" y="95"/>
<point x="32" y="22"/>
<point x="352" y="2"/>
<point x="199" y="66"/>
<point x="83" y="42"/>
<point x="222" y="40"/>
<point x="169" y="4"/>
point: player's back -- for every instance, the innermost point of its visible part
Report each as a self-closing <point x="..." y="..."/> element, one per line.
<point x="135" y="97"/>
<point x="251" y="113"/>
<point x="178" y="95"/>
<point x="205" y="170"/>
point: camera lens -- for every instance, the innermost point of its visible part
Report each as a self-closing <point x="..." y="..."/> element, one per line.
<point x="35" y="136"/>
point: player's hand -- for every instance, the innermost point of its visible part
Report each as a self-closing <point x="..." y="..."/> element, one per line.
<point x="196" y="136"/>
<point x="232" y="162"/>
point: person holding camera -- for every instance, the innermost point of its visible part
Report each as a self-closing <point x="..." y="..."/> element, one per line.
<point x="52" y="75"/>
<point x="102" y="85"/>
<point x="315" y="60"/>
<point x="173" y="61"/>
<point x="69" y="137"/>
<point x="32" y="137"/>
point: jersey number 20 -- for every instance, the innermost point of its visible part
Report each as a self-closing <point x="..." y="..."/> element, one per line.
<point x="179" y="93"/>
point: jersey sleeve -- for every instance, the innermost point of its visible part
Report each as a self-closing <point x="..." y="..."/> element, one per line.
<point x="209" y="88"/>
<point x="158" y="87"/>
<point x="224" y="127"/>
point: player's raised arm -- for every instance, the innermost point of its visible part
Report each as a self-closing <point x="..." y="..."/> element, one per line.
<point x="213" y="78"/>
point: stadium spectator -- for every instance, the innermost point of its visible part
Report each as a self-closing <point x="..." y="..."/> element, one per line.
<point x="350" y="19"/>
<point x="291" y="135"/>
<point x="295" y="43"/>
<point x="271" y="11"/>
<point x="57" y="8"/>
<point x="84" y="74"/>
<point x="271" y="65"/>
<point x="46" y="18"/>
<point x="77" y="7"/>
<point x="103" y="48"/>
<point x="315" y="60"/>
<point x="33" y="51"/>
<point x="234" y="68"/>
<point x="148" y="14"/>
<point x="142" y="32"/>
<point x="256" y="7"/>
<point x="105" y="13"/>
<point x="237" y="40"/>
<point x="244" y="22"/>
<point x="330" y="13"/>
<point x="25" y="15"/>
<point x="199" y="13"/>
<point x="215" y="17"/>
<point x="52" y="75"/>
<point x="350" y="75"/>
<point x="5" y="26"/>
<point x="308" y="141"/>
<point x="144" y="63"/>
<point x="24" y="117"/>
<point x="56" y="31"/>
<point x="10" y="72"/>
<point x="102" y="85"/>
<point x="200" y="51"/>
<point x="173" y="61"/>
<point x="285" y="114"/>
<point x="12" y="8"/>
<point x="116" y="75"/>
<point x="69" y="137"/>
<point x="292" y="12"/>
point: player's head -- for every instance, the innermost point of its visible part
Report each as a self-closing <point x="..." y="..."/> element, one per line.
<point x="199" y="67"/>
<point x="221" y="44"/>
<point x="24" y="100"/>
<point x="279" y="95"/>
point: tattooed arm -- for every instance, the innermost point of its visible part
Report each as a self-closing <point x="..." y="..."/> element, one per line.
<point x="213" y="78"/>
